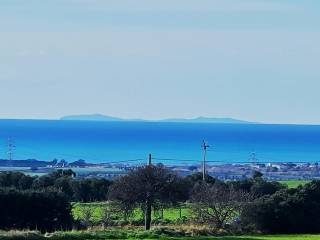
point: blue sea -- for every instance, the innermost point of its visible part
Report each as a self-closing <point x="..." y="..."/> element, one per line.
<point x="174" y="143"/>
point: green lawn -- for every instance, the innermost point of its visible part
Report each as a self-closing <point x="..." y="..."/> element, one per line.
<point x="294" y="183"/>
<point x="171" y="214"/>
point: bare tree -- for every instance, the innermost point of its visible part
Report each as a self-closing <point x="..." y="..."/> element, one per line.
<point x="146" y="187"/>
<point x="217" y="204"/>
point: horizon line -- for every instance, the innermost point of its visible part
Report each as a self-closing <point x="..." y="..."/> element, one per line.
<point x="245" y="122"/>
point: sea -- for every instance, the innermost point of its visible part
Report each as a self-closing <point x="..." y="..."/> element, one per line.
<point x="169" y="143"/>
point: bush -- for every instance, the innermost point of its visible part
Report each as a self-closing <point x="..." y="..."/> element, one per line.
<point x="168" y="232"/>
<point x="18" y="235"/>
<point x="287" y="211"/>
<point x="44" y="211"/>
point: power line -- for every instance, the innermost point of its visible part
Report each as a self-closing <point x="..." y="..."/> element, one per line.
<point x="124" y="161"/>
<point x="176" y="159"/>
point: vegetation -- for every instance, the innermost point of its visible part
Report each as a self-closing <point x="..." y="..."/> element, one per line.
<point x="81" y="190"/>
<point x="286" y="211"/>
<point x="46" y="211"/>
<point x="97" y="210"/>
<point x="294" y="183"/>
<point x="175" y="206"/>
<point x="139" y="234"/>
<point x="148" y="187"/>
<point x="217" y="203"/>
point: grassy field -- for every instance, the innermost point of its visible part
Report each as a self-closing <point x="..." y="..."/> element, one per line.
<point x="294" y="183"/>
<point x="169" y="214"/>
<point x="96" y="209"/>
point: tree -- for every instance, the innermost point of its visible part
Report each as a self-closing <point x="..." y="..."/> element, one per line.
<point x="45" y="211"/>
<point x="217" y="204"/>
<point x="62" y="173"/>
<point x="197" y="178"/>
<point x="257" y="175"/>
<point x="257" y="186"/>
<point x="261" y="188"/>
<point x="63" y="184"/>
<point x="146" y="187"/>
<point x="286" y="211"/>
<point x="81" y="189"/>
<point x="15" y="180"/>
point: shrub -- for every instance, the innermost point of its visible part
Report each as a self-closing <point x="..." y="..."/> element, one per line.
<point x="44" y="211"/>
<point x="287" y="211"/>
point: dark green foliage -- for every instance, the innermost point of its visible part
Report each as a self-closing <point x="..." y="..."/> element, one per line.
<point x="45" y="211"/>
<point x="286" y="211"/>
<point x="261" y="188"/>
<point x="15" y="180"/>
<point x="197" y="177"/>
<point x="83" y="190"/>
<point x="44" y="202"/>
<point x="257" y="175"/>
<point x="257" y="186"/>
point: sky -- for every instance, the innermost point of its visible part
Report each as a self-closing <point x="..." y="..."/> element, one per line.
<point x="256" y="60"/>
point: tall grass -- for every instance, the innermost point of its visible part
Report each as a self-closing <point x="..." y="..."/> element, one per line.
<point x="156" y="233"/>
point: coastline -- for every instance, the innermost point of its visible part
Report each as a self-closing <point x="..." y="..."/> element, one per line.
<point x="224" y="171"/>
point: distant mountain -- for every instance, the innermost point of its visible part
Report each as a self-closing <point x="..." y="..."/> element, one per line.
<point x="100" y="117"/>
<point x="91" y="117"/>
<point x="207" y="120"/>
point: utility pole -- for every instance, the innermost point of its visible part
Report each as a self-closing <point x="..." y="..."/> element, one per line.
<point x="10" y="147"/>
<point x="150" y="159"/>
<point x="204" y="147"/>
<point x="147" y="214"/>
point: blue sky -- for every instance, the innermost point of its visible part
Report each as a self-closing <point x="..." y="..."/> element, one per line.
<point x="249" y="59"/>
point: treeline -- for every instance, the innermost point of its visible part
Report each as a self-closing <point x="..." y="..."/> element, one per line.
<point x="250" y="205"/>
<point x="286" y="211"/>
<point x="44" y="211"/>
<point x="212" y="201"/>
<point x="63" y="181"/>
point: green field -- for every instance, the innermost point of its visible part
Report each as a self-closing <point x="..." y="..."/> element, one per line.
<point x="294" y="183"/>
<point x="96" y="210"/>
<point x="169" y="214"/>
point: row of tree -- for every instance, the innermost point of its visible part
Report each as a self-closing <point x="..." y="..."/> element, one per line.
<point x="286" y="211"/>
<point x="213" y="201"/>
<point x="45" y="211"/>
<point x="64" y="181"/>
<point x="252" y="204"/>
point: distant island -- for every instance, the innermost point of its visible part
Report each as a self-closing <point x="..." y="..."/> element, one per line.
<point x="105" y="118"/>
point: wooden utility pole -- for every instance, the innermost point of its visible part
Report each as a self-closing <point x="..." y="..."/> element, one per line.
<point x="150" y="159"/>
<point x="147" y="214"/>
<point x="204" y="147"/>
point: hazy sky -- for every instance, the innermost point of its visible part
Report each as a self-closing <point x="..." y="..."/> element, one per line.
<point x="257" y="60"/>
